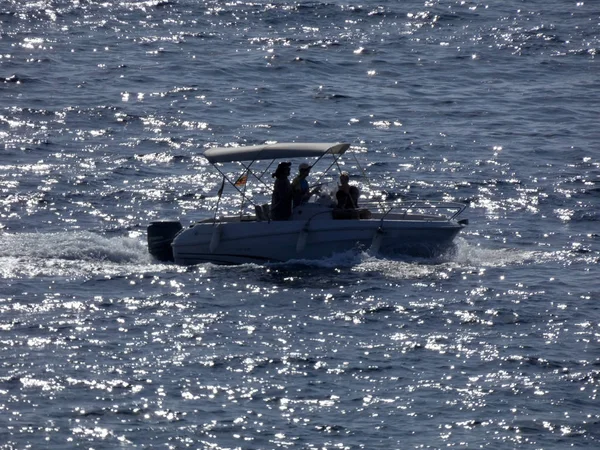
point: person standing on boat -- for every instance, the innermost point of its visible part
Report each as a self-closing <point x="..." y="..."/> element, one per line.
<point x="281" y="200"/>
<point x="346" y="195"/>
<point x="300" y="189"/>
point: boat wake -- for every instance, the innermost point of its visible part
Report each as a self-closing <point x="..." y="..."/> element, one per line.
<point x="79" y="245"/>
<point x="82" y="253"/>
<point x="464" y="257"/>
<point x="68" y="253"/>
<point x="467" y="255"/>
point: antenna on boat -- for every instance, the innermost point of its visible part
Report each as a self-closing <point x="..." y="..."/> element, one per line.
<point x="364" y="173"/>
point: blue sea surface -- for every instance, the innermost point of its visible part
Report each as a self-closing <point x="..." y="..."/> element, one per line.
<point x="105" y="111"/>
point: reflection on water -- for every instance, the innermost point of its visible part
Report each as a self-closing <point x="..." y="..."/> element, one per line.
<point x="106" y="108"/>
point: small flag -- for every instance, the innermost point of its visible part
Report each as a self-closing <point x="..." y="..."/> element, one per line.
<point x="221" y="188"/>
<point x="241" y="180"/>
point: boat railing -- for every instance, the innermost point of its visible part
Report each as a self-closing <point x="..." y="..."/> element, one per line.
<point x="447" y="210"/>
<point x="415" y="210"/>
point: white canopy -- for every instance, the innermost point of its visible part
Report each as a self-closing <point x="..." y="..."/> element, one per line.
<point x="281" y="150"/>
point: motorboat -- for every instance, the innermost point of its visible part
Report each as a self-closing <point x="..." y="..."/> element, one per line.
<point x="316" y="229"/>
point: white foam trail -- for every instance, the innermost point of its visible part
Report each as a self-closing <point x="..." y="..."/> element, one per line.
<point x="401" y="268"/>
<point x="464" y="256"/>
<point x="78" y="245"/>
<point x="477" y="256"/>
<point x="397" y="269"/>
<point x="344" y="259"/>
<point x="71" y="254"/>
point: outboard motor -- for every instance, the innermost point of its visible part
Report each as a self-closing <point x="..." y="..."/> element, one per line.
<point x="160" y="236"/>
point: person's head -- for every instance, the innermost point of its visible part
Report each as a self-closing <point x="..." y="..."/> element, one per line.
<point x="283" y="170"/>
<point x="304" y="169"/>
<point x="344" y="178"/>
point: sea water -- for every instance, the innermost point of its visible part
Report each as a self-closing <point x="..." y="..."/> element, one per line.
<point x="105" y="111"/>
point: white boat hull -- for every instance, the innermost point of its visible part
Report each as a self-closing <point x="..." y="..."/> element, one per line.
<point x="260" y="242"/>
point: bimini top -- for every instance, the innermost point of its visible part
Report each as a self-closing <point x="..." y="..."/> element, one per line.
<point x="282" y="150"/>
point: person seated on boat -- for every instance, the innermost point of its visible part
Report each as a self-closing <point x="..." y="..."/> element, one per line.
<point x="346" y="195"/>
<point x="301" y="192"/>
<point x="281" y="199"/>
<point x="347" y="201"/>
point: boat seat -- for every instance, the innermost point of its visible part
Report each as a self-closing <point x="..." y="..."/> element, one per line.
<point x="345" y="214"/>
<point x="349" y="214"/>
<point x="263" y="212"/>
<point x="266" y="210"/>
<point x="259" y="213"/>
